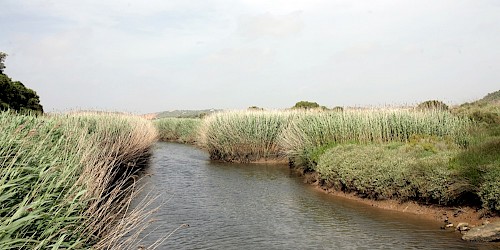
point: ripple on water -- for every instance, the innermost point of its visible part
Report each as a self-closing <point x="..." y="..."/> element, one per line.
<point x="236" y="206"/>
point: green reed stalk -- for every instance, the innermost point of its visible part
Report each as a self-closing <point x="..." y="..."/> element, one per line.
<point x="184" y="130"/>
<point x="62" y="181"/>
<point x="243" y="136"/>
<point x="311" y="130"/>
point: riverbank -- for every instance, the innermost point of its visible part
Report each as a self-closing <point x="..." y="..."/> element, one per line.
<point x="446" y="215"/>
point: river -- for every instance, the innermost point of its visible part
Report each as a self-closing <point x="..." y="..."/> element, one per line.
<point x="259" y="206"/>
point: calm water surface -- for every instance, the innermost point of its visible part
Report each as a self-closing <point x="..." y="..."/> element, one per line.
<point x="252" y="206"/>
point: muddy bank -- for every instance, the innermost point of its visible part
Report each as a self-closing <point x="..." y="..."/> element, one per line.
<point x="445" y="214"/>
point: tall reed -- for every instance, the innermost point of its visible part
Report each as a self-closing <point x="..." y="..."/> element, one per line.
<point x="243" y="136"/>
<point x="184" y="130"/>
<point x="311" y="130"/>
<point x="66" y="181"/>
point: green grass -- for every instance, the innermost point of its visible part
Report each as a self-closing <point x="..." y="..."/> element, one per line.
<point x="480" y="162"/>
<point x="394" y="171"/>
<point x="65" y="180"/>
<point x="184" y="130"/>
<point x="480" y="165"/>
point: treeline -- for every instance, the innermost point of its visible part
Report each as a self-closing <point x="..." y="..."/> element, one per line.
<point x="15" y="96"/>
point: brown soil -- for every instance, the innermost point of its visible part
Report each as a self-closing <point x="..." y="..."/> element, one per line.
<point x="444" y="214"/>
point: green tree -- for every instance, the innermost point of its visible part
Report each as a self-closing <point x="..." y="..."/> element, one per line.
<point x="2" y="59"/>
<point x="15" y="96"/>
<point x="306" y="105"/>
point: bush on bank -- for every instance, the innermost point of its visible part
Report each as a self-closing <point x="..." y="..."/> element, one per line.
<point x="66" y="181"/>
<point x="401" y="171"/>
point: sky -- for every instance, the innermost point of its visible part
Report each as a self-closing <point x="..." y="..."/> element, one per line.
<point x="156" y="55"/>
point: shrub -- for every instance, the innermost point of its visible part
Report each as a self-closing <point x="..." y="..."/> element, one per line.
<point x="255" y="108"/>
<point x="305" y="105"/>
<point x="489" y="118"/>
<point x="489" y="190"/>
<point x="433" y="105"/>
<point x="392" y="171"/>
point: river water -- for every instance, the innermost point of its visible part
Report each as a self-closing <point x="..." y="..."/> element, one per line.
<point x="258" y="206"/>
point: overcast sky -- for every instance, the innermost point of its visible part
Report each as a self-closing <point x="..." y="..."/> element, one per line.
<point x="147" y="56"/>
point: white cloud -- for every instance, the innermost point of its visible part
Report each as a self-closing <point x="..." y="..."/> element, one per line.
<point x="268" y="25"/>
<point x="239" y="60"/>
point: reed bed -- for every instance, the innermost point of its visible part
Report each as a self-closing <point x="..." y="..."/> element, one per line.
<point x="429" y="156"/>
<point x="66" y="181"/>
<point x="244" y="136"/>
<point x="252" y="135"/>
<point x="313" y="130"/>
<point x="183" y="130"/>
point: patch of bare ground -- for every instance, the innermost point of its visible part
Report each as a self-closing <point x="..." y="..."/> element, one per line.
<point x="445" y="214"/>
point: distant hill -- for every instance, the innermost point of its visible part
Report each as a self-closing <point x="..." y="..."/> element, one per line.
<point x="485" y="110"/>
<point x="493" y="97"/>
<point x="185" y="113"/>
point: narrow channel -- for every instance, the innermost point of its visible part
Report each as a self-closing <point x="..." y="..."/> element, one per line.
<point x="257" y="206"/>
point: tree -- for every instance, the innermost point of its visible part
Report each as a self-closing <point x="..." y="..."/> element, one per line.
<point x="2" y="59"/>
<point x="305" y="105"/>
<point x="15" y="96"/>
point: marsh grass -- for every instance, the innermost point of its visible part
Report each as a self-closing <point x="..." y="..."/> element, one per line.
<point x="433" y="156"/>
<point x="480" y="162"/>
<point x="244" y="136"/>
<point x="310" y="131"/>
<point x="251" y="135"/>
<point x="66" y="181"/>
<point x="394" y="171"/>
<point x="183" y="130"/>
